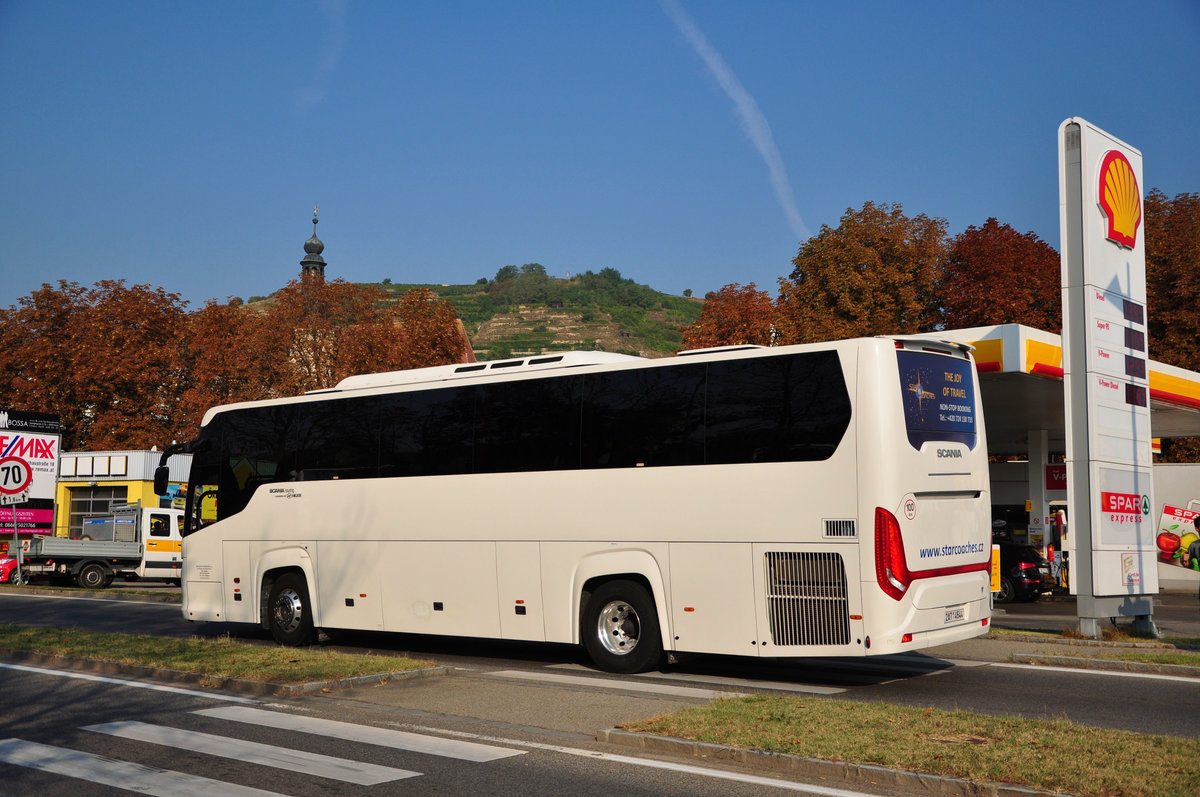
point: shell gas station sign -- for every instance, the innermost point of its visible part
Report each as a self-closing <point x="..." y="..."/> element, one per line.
<point x="1105" y="373"/>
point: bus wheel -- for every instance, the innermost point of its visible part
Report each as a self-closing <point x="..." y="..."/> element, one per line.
<point x="620" y="628"/>
<point x="288" y="612"/>
<point x="93" y="575"/>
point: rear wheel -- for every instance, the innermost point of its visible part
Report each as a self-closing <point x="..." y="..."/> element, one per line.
<point x="620" y="628"/>
<point x="289" y="615"/>
<point x="1006" y="593"/>
<point x="93" y="576"/>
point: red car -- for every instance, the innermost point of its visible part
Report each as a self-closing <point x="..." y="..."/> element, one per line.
<point x="8" y="571"/>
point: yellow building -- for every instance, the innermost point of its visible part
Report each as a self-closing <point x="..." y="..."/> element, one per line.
<point x="92" y="482"/>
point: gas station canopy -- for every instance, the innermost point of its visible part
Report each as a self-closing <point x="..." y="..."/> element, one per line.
<point x="1021" y="380"/>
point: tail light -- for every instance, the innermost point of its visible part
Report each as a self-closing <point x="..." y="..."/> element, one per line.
<point x="891" y="569"/>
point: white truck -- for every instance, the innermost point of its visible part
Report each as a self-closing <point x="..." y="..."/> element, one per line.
<point x="131" y="541"/>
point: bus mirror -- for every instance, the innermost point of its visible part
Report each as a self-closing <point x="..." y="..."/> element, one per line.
<point x="162" y="474"/>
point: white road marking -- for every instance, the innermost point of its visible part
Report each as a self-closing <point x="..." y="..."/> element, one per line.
<point x="687" y="769"/>
<point x="83" y="676"/>
<point x="153" y="604"/>
<point x="1047" y="668"/>
<point x="315" y="764"/>
<point x="365" y="734"/>
<point x="774" y="686"/>
<point x="118" y="774"/>
<point x="593" y="682"/>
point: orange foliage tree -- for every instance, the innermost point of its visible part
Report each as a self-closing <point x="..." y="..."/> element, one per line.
<point x="996" y="275"/>
<point x="1173" y="293"/>
<point x="128" y="367"/>
<point x="102" y="358"/>
<point x="731" y="316"/>
<point x="875" y="274"/>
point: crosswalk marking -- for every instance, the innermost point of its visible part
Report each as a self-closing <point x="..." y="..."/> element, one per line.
<point x="365" y="734"/>
<point x="314" y="764"/>
<point x="119" y="774"/>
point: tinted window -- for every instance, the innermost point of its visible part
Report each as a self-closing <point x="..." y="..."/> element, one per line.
<point x="428" y="433"/>
<point x="648" y="417"/>
<point x="527" y="425"/>
<point x="776" y="409"/>
<point x="768" y="409"/>
<point x="337" y="439"/>
<point x="938" y="392"/>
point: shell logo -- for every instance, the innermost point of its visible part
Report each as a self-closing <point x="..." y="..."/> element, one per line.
<point x="1120" y="199"/>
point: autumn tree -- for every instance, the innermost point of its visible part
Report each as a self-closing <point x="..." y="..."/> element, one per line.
<point x="1173" y="292"/>
<point x="224" y="358"/>
<point x="102" y="358"/>
<point x="996" y="275"/>
<point x="311" y="335"/>
<point x="325" y="331"/>
<point x="875" y="274"/>
<point x="427" y="332"/>
<point x="731" y="316"/>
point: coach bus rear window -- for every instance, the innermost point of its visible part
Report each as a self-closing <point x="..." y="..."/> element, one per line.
<point x="939" y="398"/>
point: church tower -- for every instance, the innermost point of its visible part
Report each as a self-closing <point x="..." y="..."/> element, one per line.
<point x="312" y="267"/>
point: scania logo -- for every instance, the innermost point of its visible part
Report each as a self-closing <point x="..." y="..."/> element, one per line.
<point x="949" y="453"/>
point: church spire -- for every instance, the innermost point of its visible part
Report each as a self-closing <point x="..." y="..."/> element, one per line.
<point x="313" y="265"/>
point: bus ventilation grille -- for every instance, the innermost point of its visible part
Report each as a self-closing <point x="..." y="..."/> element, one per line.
<point x="806" y="599"/>
<point x="840" y="528"/>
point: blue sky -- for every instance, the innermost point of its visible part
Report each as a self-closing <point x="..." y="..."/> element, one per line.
<point x="687" y="143"/>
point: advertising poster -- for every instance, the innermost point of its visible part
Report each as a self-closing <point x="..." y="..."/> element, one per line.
<point x="1176" y="531"/>
<point x="32" y="437"/>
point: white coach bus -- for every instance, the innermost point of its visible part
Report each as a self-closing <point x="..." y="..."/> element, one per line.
<point x="815" y="500"/>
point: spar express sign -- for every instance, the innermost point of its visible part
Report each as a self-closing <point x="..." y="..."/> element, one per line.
<point x="1124" y="507"/>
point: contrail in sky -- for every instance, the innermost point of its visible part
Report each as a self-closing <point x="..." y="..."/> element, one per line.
<point x="333" y="42"/>
<point x="753" y="121"/>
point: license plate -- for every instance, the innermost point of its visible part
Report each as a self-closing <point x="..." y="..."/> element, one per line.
<point x="955" y="615"/>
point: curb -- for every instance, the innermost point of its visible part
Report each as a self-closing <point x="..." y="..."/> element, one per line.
<point x="841" y="771"/>
<point x="1111" y="665"/>
<point x="105" y="594"/>
<point x="258" y="688"/>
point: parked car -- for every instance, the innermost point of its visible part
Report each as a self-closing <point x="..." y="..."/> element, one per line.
<point x="1024" y="573"/>
<point x="8" y="571"/>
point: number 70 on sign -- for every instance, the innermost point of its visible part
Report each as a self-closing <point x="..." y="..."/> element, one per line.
<point x="15" y="476"/>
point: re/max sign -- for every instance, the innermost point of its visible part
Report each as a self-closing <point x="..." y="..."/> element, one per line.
<point x="26" y="447"/>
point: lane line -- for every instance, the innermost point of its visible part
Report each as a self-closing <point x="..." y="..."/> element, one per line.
<point x="104" y="679"/>
<point x="365" y="734"/>
<point x="777" y="686"/>
<point x="593" y="682"/>
<point x="315" y="764"/>
<point x="153" y="604"/>
<point x="686" y="769"/>
<point x="118" y="774"/>
<point x="1046" y="668"/>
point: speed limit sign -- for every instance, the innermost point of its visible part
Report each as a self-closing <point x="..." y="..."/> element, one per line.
<point x="15" y="475"/>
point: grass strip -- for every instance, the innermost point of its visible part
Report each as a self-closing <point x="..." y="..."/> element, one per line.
<point x="1046" y="754"/>
<point x="220" y="657"/>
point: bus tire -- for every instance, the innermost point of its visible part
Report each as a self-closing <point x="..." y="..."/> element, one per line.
<point x="93" y="575"/>
<point x="289" y="615"/>
<point x="620" y="628"/>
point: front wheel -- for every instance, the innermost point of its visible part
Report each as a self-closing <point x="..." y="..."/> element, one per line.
<point x="289" y="614"/>
<point x="620" y="628"/>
